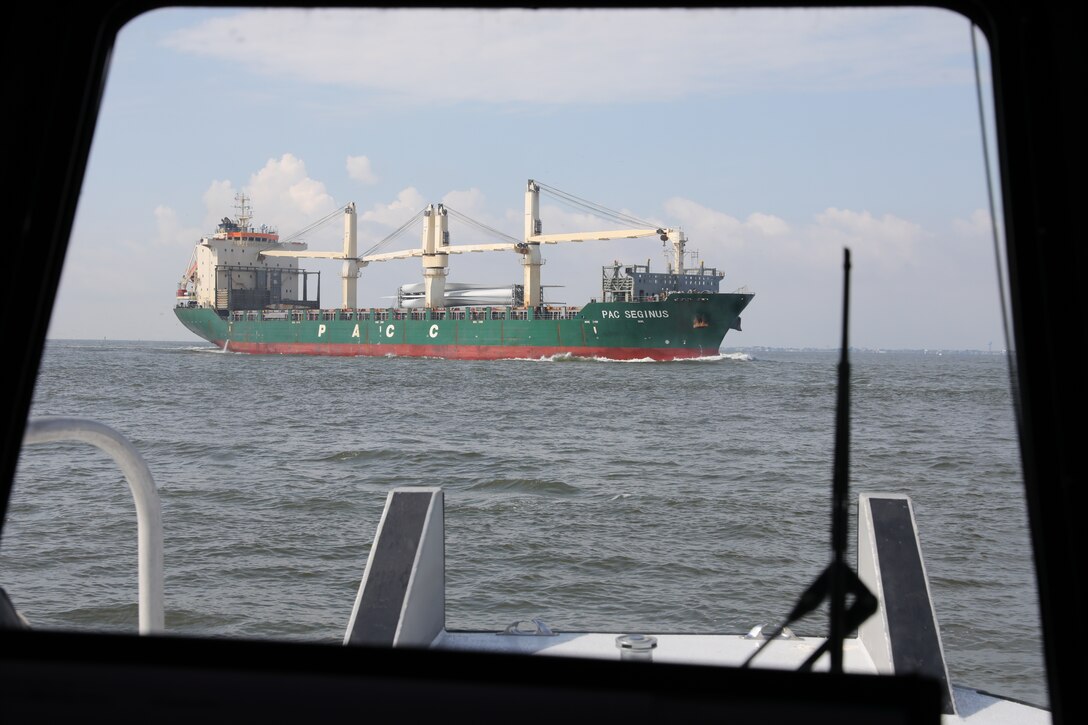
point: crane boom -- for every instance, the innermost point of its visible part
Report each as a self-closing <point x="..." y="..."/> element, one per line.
<point x="446" y="249"/>
<point x="594" y="236"/>
<point x="304" y="254"/>
<point x="435" y="249"/>
<point x="465" y="248"/>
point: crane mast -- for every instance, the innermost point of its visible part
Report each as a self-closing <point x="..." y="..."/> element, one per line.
<point x="530" y="251"/>
<point x="530" y="258"/>
<point x="436" y="236"/>
<point x="349" y="290"/>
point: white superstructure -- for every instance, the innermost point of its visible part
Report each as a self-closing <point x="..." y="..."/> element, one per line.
<point x="229" y="266"/>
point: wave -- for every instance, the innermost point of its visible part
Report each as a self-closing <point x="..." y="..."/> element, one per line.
<point x="574" y="357"/>
<point x="525" y="485"/>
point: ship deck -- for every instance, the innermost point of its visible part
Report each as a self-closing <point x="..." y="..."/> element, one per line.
<point x="731" y="650"/>
<point x="401" y="603"/>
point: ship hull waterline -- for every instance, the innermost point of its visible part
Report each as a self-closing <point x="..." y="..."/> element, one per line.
<point x="681" y="327"/>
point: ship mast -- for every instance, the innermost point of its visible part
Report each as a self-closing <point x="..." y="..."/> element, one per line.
<point x="676" y="265"/>
<point x="244" y="214"/>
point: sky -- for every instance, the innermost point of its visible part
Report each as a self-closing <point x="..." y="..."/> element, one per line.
<point x="774" y="139"/>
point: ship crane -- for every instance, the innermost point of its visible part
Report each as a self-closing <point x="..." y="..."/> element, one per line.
<point x="187" y="283"/>
<point x="530" y="252"/>
<point x="435" y="248"/>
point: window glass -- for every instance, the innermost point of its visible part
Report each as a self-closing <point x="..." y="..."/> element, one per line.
<point x="689" y="496"/>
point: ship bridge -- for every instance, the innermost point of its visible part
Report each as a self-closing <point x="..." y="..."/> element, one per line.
<point x="636" y="283"/>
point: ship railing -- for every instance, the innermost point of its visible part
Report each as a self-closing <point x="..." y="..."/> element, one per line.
<point x="296" y="315"/>
<point x="144" y="494"/>
<point x="556" y="312"/>
<point x="359" y="314"/>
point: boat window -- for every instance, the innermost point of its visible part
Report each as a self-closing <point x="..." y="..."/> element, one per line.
<point x="688" y="496"/>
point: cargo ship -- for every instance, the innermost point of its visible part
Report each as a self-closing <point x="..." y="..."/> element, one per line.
<point x="245" y="292"/>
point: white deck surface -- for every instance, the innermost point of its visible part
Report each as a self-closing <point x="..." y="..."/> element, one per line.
<point x="732" y="650"/>
<point x="699" y="649"/>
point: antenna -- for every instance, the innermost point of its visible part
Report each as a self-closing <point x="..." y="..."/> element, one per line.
<point x="838" y="579"/>
<point x="244" y="214"/>
<point x="840" y="501"/>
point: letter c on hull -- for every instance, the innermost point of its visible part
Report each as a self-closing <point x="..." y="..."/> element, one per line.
<point x="389" y="331"/>
<point x="433" y="332"/>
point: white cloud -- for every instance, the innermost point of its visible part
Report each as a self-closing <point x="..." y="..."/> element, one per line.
<point x="218" y="203"/>
<point x="977" y="224"/>
<point x="767" y="224"/>
<point x="887" y="240"/>
<point x="470" y="202"/>
<point x="284" y="185"/>
<point x="359" y="168"/>
<point x="776" y="257"/>
<point x="397" y="212"/>
<point x="722" y="230"/>
<point x="170" y="232"/>
<point x="542" y="56"/>
<point x="280" y="195"/>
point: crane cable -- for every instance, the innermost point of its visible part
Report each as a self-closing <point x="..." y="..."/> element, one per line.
<point x="594" y="208"/>
<point x="320" y="222"/>
<point x="389" y="239"/>
<point x="481" y="226"/>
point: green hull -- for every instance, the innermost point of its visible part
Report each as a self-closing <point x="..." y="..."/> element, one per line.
<point x="682" y="326"/>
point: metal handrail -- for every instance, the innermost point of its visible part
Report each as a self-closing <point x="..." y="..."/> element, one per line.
<point x="144" y="494"/>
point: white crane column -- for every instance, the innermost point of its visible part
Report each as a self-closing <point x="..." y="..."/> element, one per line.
<point x="678" y="241"/>
<point x="435" y="261"/>
<point x="531" y="259"/>
<point x="349" y="289"/>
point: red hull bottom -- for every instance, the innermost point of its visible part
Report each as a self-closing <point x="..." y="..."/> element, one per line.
<point x="465" y="352"/>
